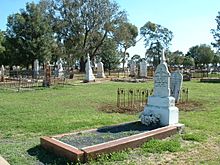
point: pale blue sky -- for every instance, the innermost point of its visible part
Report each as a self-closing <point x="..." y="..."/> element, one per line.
<point x="189" y="20"/>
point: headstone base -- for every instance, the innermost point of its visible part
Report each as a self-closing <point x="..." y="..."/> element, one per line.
<point x="164" y="108"/>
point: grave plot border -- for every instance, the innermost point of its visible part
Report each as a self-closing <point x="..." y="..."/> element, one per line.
<point x="92" y="152"/>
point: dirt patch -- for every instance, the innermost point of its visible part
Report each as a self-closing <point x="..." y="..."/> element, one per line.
<point x="183" y="106"/>
<point x="111" y="108"/>
<point x="190" y="106"/>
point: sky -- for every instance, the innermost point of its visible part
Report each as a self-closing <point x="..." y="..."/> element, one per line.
<point x="189" y="20"/>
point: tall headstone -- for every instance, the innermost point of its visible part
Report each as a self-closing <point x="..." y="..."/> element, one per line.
<point x="89" y="74"/>
<point x="36" y="68"/>
<point x="176" y="84"/>
<point x="133" y="69"/>
<point x="47" y="75"/>
<point x="100" y="70"/>
<point x="2" y="76"/>
<point x="143" y="69"/>
<point x="60" y="68"/>
<point x="161" y="105"/>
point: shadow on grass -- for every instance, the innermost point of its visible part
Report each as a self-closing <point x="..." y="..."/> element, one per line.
<point x="45" y="157"/>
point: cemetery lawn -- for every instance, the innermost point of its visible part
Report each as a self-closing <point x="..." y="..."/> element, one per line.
<point x="26" y="116"/>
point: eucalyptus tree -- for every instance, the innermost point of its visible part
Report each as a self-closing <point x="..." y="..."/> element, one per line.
<point x="202" y="54"/>
<point x="156" y="39"/>
<point x="109" y="54"/>
<point x="2" y="47"/>
<point x="29" y="35"/>
<point x="83" y="25"/>
<point x="216" y="33"/>
<point x="125" y="35"/>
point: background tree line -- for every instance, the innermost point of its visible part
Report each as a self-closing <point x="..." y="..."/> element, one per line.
<point x="71" y="29"/>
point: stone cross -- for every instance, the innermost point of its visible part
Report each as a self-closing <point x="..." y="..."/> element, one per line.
<point x="143" y="69"/>
<point x="176" y="84"/>
<point x="89" y="74"/>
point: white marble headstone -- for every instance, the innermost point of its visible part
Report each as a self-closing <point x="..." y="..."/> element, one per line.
<point x="176" y="84"/>
<point x="143" y="68"/>
<point x="161" y="104"/>
<point x="2" y="70"/>
<point x="100" y="70"/>
<point x="89" y="73"/>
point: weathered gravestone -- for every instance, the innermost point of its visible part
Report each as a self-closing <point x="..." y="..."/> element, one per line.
<point x="161" y="108"/>
<point x="176" y="84"/>
<point x="133" y="69"/>
<point x="60" y="68"/>
<point x="47" y="75"/>
<point x="89" y="74"/>
<point x="2" y="75"/>
<point x="36" y="68"/>
<point x="100" y="70"/>
<point x="143" y="69"/>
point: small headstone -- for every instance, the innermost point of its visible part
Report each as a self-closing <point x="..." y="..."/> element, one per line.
<point x="36" y="68"/>
<point x="133" y="69"/>
<point x="161" y="106"/>
<point x="100" y="70"/>
<point x="89" y="74"/>
<point x="176" y="84"/>
<point x="60" y="68"/>
<point x="2" y="73"/>
<point x="47" y="75"/>
<point x="143" y="69"/>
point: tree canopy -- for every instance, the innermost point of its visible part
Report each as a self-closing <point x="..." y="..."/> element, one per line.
<point x="156" y="39"/>
<point x="216" y="33"/>
<point x="29" y="35"/>
<point x="202" y="54"/>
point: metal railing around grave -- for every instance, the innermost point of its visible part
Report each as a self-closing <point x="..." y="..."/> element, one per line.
<point x="132" y="98"/>
<point x="137" y="98"/>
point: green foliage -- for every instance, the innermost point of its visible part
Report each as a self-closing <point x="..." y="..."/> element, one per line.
<point x="82" y="26"/>
<point x="159" y="146"/>
<point x="109" y="54"/>
<point x="216" y="33"/>
<point x="194" y="137"/>
<point x="125" y="35"/>
<point x="202" y="54"/>
<point x="29" y="35"/>
<point x="188" y="61"/>
<point x="156" y="39"/>
<point x="175" y="58"/>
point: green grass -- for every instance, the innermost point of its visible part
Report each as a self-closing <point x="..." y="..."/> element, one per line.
<point x="198" y="137"/>
<point x="159" y="146"/>
<point x="26" y="116"/>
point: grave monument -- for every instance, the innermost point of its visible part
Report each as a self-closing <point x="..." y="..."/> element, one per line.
<point x="161" y="108"/>
<point x="47" y="75"/>
<point x="2" y="75"/>
<point x="176" y="84"/>
<point x="89" y="74"/>
<point x="133" y="69"/>
<point x="36" y="68"/>
<point x="100" y="70"/>
<point x="143" y="69"/>
<point x="60" y="68"/>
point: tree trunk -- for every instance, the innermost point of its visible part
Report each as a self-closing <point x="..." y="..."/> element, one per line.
<point x="82" y="64"/>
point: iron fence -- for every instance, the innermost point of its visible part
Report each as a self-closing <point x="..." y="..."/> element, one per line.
<point x="137" y="98"/>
